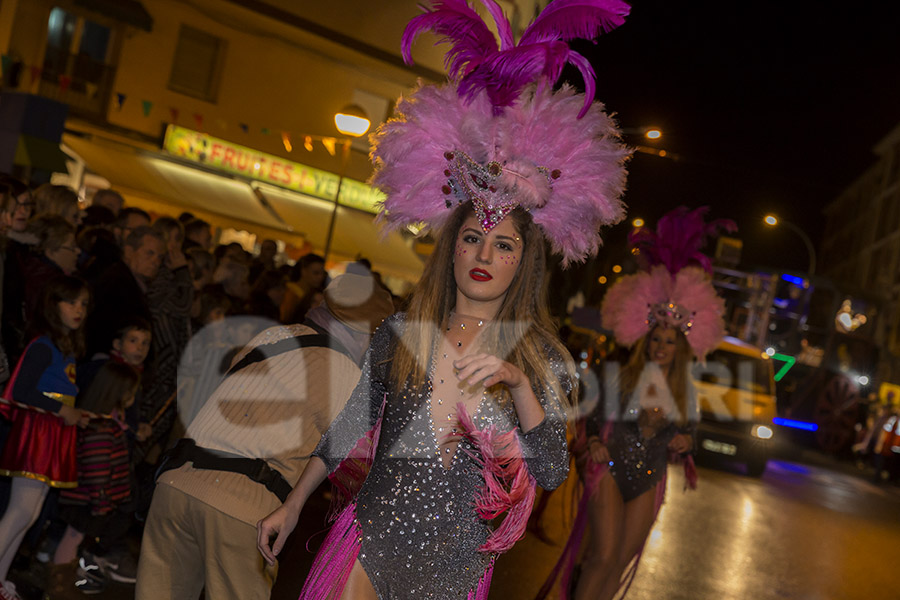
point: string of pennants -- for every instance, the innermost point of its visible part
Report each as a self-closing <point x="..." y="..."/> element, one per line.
<point x="65" y="82"/>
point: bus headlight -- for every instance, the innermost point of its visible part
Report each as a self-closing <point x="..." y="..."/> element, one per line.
<point x="762" y="432"/>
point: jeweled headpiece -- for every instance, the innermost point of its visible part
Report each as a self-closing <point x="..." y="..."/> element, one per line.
<point x="499" y="136"/>
<point x="676" y="290"/>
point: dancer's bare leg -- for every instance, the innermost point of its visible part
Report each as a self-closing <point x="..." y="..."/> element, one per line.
<point x="639" y="516"/>
<point x="358" y="585"/>
<point x="606" y="518"/>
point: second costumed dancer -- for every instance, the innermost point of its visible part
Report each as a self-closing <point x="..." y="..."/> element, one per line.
<point x="463" y="398"/>
<point x="668" y="315"/>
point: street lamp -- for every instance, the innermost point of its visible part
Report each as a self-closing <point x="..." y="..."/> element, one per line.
<point x="772" y="221"/>
<point x="350" y="121"/>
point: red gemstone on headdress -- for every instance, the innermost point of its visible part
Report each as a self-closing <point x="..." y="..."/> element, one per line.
<point x="478" y="181"/>
<point x="492" y="188"/>
<point x="446" y="189"/>
<point x="494" y="168"/>
<point x="447" y="172"/>
<point x="555" y="173"/>
<point x="448" y="155"/>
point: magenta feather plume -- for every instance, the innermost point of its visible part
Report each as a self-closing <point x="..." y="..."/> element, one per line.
<point x="457" y="24"/>
<point x="679" y="238"/>
<point x="504" y="30"/>
<point x="575" y="19"/>
<point x="476" y="63"/>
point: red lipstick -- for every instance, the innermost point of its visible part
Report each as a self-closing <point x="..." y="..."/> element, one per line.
<point x="480" y="275"/>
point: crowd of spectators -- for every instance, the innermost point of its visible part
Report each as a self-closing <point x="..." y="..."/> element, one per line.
<point x="165" y="302"/>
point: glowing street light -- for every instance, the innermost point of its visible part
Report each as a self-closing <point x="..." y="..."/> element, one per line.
<point x="637" y="223"/>
<point x="351" y="121"/>
<point x="653" y="134"/>
<point x="772" y="221"/>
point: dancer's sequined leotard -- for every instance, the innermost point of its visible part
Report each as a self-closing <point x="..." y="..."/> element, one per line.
<point x="419" y="532"/>
<point x="637" y="463"/>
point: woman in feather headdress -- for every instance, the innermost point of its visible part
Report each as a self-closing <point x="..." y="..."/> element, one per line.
<point x="668" y="315"/>
<point x="461" y="409"/>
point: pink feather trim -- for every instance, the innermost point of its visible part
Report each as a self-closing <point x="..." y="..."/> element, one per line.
<point x="508" y="486"/>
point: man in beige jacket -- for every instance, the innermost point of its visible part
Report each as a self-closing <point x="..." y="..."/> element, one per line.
<point x="248" y="445"/>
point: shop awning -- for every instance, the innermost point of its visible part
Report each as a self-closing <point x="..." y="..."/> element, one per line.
<point x="127" y="11"/>
<point x="355" y="232"/>
<point x="158" y="181"/>
<point x="40" y="154"/>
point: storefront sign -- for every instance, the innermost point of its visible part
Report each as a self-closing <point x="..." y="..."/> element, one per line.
<point x="240" y="160"/>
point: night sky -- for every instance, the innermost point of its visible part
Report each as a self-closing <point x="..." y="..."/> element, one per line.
<point x="769" y="106"/>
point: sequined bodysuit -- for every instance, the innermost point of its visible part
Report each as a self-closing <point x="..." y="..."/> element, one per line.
<point x="417" y="525"/>
<point x="637" y="462"/>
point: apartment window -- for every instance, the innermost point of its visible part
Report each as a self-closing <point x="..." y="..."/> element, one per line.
<point x="198" y="64"/>
<point x="76" y="47"/>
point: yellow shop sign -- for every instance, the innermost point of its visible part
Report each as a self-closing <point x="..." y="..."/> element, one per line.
<point x="240" y="160"/>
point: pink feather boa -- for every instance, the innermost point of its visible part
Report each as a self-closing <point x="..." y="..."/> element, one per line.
<point x="508" y="486"/>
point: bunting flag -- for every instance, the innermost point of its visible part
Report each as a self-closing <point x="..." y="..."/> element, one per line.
<point x="198" y="119"/>
<point x="90" y="89"/>
<point x="265" y="131"/>
<point x="286" y="140"/>
<point x="35" y="73"/>
<point x="147" y="106"/>
<point x="120" y="100"/>
<point x="174" y="112"/>
<point x="307" y="143"/>
<point x="329" y="143"/>
<point x="244" y="127"/>
<point x="6" y="63"/>
<point x="64" y="82"/>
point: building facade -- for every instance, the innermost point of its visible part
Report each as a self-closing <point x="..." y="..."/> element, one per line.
<point x="260" y="77"/>
<point x="861" y="247"/>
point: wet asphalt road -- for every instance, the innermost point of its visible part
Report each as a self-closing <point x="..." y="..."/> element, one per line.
<point x="800" y="532"/>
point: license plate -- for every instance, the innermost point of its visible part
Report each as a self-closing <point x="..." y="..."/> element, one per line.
<point x="719" y="447"/>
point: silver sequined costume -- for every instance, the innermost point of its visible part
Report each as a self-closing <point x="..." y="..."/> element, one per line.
<point x="419" y="532"/>
<point x="637" y="464"/>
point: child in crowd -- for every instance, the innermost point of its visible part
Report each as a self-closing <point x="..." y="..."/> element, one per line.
<point x="92" y="510"/>
<point x="40" y="450"/>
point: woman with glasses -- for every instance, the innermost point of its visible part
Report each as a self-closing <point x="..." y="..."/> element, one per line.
<point x="16" y="207"/>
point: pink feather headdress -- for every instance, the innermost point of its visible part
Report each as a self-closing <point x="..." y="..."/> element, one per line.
<point x="498" y="135"/>
<point x="676" y="291"/>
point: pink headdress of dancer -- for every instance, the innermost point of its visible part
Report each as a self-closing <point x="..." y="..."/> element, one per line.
<point x="498" y="135"/>
<point x="676" y="290"/>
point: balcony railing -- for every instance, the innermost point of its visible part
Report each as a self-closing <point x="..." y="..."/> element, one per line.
<point x="89" y="87"/>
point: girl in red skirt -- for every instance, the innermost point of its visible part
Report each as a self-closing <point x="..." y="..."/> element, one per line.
<point x="40" y="450"/>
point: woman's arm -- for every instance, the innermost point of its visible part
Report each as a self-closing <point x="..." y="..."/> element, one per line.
<point x="283" y="520"/>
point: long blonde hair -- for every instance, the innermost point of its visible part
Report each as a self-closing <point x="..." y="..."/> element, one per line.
<point x="520" y="333"/>
<point x="677" y="377"/>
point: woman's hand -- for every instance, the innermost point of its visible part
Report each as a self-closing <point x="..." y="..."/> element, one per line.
<point x="598" y="451"/>
<point x="681" y="443"/>
<point x="278" y="525"/>
<point x="72" y="416"/>
<point x="490" y="370"/>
